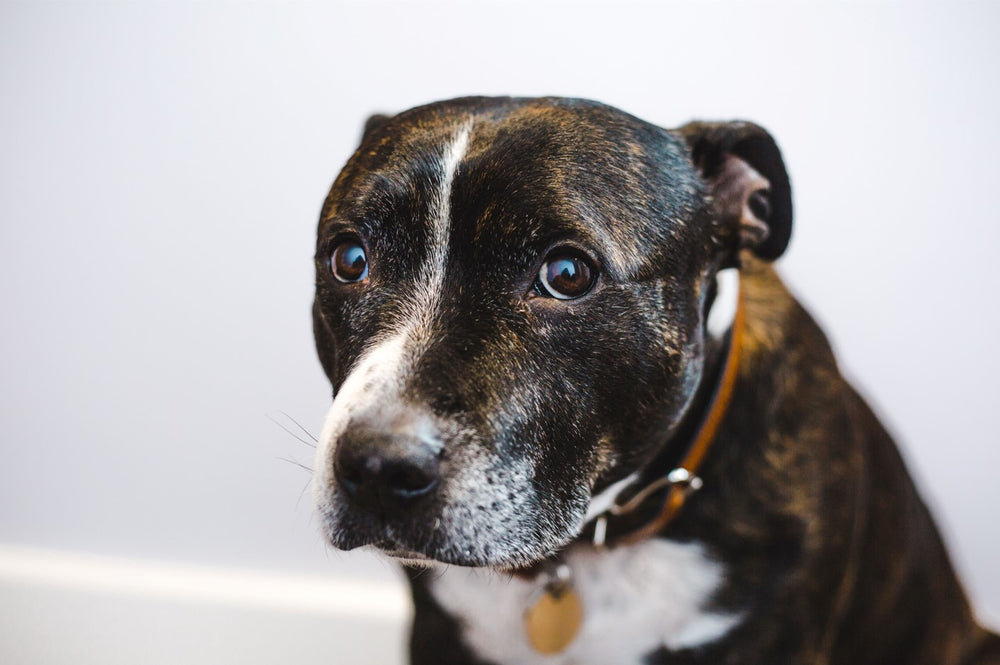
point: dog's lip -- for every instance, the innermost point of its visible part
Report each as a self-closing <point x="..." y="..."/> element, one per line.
<point x="390" y="548"/>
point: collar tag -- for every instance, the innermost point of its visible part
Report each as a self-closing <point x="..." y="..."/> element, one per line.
<point x="553" y="620"/>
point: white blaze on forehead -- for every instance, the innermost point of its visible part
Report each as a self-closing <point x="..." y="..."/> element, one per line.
<point x="381" y="371"/>
<point x="431" y="280"/>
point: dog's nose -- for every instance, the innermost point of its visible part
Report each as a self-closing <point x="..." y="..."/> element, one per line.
<point x="385" y="466"/>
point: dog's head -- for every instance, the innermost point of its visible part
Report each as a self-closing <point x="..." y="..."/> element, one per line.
<point x="511" y="302"/>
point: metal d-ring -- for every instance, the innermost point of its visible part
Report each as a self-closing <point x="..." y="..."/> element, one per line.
<point x="679" y="477"/>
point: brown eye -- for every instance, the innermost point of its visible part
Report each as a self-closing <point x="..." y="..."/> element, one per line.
<point x="349" y="263"/>
<point x="565" y="276"/>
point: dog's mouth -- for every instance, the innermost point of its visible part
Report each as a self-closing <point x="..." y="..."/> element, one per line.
<point x="483" y="512"/>
<point x="424" y="541"/>
<point x="443" y="551"/>
<point x="403" y="555"/>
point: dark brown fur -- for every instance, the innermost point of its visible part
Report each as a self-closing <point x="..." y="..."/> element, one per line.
<point x="822" y="530"/>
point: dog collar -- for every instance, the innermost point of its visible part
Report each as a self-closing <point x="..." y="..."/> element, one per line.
<point x="555" y="615"/>
<point x="683" y="479"/>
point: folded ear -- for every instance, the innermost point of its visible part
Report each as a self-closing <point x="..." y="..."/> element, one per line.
<point x="374" y="122"/>
<point x="325" y="347"/>
<point x="742" y="165"/>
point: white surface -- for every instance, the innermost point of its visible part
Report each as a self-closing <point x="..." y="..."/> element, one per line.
<point x="162" y="167"/>
<point x="70" y="608"/>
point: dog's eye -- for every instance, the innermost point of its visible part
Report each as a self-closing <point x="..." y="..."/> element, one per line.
<point x="565" y="275"/>
<point x="349" y="263"/>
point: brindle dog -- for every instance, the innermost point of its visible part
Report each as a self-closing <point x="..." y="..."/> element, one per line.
<point x="512" y="305"/>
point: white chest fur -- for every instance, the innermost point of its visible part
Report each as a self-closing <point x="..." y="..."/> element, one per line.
<point x="636" y="599"/>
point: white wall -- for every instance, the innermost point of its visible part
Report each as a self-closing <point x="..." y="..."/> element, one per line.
<point x="162" y="168"/>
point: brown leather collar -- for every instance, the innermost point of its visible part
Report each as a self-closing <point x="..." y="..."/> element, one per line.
<point x="553" y="619"/>
<point x="683" y="479"/>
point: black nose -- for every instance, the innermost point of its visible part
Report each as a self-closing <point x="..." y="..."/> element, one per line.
<point x="375" y="466"/>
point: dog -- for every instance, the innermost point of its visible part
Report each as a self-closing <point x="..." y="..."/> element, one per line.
<point x="568" y="380"/>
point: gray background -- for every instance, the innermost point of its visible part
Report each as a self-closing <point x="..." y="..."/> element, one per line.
<point x="162" y="167"/>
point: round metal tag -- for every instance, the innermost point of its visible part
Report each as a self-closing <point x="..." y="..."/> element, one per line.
<point x="554" y="619"/>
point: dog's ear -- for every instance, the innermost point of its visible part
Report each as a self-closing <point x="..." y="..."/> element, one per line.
<point x="749" y="185"/>
<point x="324" y="342"/>
<point x="374" y="122"/>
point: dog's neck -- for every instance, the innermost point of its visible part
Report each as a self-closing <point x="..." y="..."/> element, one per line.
<point x="649" y="487"/>
<point x="644" y="503"/>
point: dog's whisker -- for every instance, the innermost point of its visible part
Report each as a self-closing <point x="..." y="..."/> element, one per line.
<point x="299" y="425"/>
<point x="420" y="572"/>
<point x="305" y="488"/>
<point x="295" y="436"/>
<point x="298" y="464"/>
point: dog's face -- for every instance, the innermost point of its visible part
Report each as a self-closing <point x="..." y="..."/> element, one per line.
<point x="510" y="305"/>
